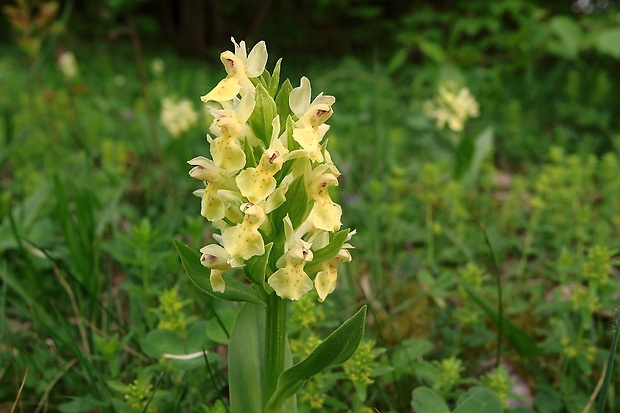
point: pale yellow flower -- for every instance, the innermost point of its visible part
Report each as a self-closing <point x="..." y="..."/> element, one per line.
<point x="243" y="240"/>
<point x="290" y="281"/>
<point x="240" y="68"/>
<point x="212" y="206"/>
<point x="310" y="127"/>
<point x="325" y="280"/>
<point x="225" y="149"/>
<point x="325" y="214"/>
<point x="216" y="259"/>
<point x="258" y="183"/>
<point x="229" y="125"/>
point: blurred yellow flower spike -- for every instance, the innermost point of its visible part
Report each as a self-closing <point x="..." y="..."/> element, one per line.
<point x="240" y="69"/>
<point x="243" y="240"/>
<point x="290" y="281"/>
<point x="250" y="184"/>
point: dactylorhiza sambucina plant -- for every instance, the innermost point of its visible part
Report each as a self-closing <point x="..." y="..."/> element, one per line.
<point x="266" y="192"/>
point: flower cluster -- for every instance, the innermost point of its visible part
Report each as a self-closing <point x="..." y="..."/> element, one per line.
<point x="452" y="108"/>
<point x="67" y="65"/>
<point x="266" y="181"/>
<point x="177" y="116"/>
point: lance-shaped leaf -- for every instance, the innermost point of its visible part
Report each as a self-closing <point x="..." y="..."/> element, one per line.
<point x="246" y="360"/>
<point x="235" y="290"/>
<point x="337" y="348"/>
<point x="274" y="80"/>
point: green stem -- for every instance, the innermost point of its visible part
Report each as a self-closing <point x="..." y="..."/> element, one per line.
<point x="275" y="342"/>
<point x="527" y="243"/>
<point x="430" y="239"/>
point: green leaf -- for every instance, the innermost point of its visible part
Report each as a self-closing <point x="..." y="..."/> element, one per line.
<point x="159" y="342"/>
<point x="291" y="143"/>
<point x="424" y="399"/>
<point x="397" y="61"/>
<point x="432" y="50"/>
<point x="275" y="79"/>
<point x="330" y="250"/>
<point x="255" y="268"/>
<point x="479" y="400"/>
<point x="219" y="329"/>
<point x="608" y="42"/>
<point x="282" y="103"/>
<point x="337" y="348"/>
<point x="408" y="353"/>
<point x="463" y="157"/>
<point x="481" y="148"/>
<point x="235" y="290"/>
<point x="250" y="158"/>
<point x="521" y="341"/>
<point x="569" y="35"/>
<point x="548" y="401"/>
<point x="245" y="360"/>
<point x="609" y="368"/>
<point x="263" y="114"/>
<point x="297" y="206"/>
<point x="81" y="404"/>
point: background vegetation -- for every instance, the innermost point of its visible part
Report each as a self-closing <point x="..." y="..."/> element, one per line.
<point x="488" y="256"/>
